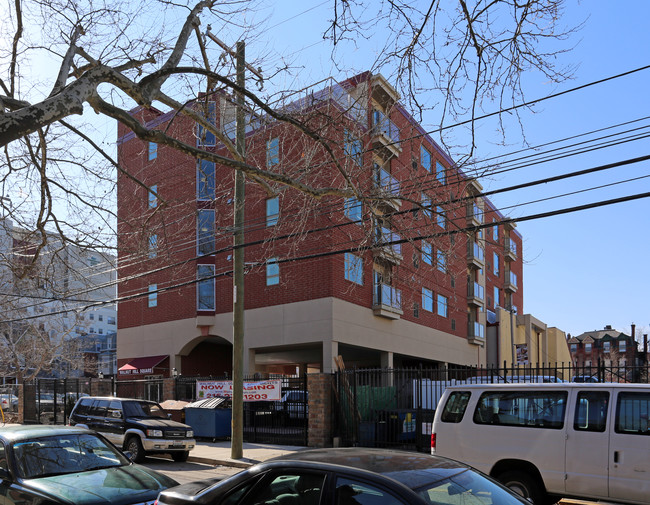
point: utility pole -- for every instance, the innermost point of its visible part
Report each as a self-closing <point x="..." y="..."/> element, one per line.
<point x="237" y="435"/>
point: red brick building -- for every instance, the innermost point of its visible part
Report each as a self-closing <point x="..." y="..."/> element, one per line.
<point x="399" y="274"/>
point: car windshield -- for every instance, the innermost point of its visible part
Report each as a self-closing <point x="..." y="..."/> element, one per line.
<point x="467" y="488"/>
<point x="62" y="454"/>
<point x="143" y="409"/>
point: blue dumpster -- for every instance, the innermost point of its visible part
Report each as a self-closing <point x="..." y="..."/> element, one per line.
<point x="210" y="418"/>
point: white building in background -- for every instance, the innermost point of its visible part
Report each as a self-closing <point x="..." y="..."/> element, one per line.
<point x="70" y="294"/>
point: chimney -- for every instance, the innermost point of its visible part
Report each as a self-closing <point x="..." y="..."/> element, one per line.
<point x="633" y="331"/>
<point x="645" y="344"/>
<point x="608" y="327"/>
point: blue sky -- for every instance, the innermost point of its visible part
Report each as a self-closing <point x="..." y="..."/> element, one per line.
<point x="583" y="270"/>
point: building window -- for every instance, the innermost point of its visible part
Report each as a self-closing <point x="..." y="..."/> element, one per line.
<point x="495" y="264"/>
<point x="272" y="272"/>
<point x="153" y="151"/>
<point x="352" y="147"/>
<point x="440" y="173"/>
<point x="153" y="295"/>
<point x="441" y="261"/>
<point x="153" y="196"/>
<point x="496" y="296"/>
<point x="426" y="205"/>
<point x="416" y="310"/>
<point x="91" y="317"/>
<point x="427" y="253"/>
<point x="153" y="245"/>
<point x="587" y="347"/>
<point x="206" y="180"/>
<point x="205" y="137"/>
<point x="442" y="305"/>
<point x="622" y="346"/>
<point x="453" y="324"/>
<point x="574" y="348"/>
<point x="101" y="331"/>
<point x="273" y="152"/>
<point x="92" y="328"/>
<point x="100" y="317"/>
<point x="353" y="209"/>
<point x="425" y="158"/>
<point x="495" y="232"/>
<point x="427" y="299"/>
<point x="206" y="238"/>
<point x="272" y="211"/>
<point x="441" y="218"/>
<point x="606" y="346"/>
<point x="353" y="268"/>
<point x="205" y="298"/>
<point x="110" y="320"/>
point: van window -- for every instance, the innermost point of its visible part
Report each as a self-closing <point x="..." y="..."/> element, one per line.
<point x="535" y="409"/>
<point x="632" y="413"/>
<point x="455" y="407"/>
<point x="591" y="411"/>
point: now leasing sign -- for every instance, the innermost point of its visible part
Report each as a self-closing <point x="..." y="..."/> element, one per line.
<point x="269" y="390"/>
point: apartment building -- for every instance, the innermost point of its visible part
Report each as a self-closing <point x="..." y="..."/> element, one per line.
<point x="406" y="271"/>
<point x="608" y="347"/>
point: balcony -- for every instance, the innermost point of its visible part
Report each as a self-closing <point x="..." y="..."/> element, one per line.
<point x="476" y="294"/>
<point x="388" y="187"/>
<point x="510" y="282"/>
<point x="475" y="255"/>
<point x="384" y="247"/>
<point x="475" y="333"/>
<point x="510" y="249"/>
<point x="382" y="92"/>
<point x="385" y="135"/>
<point x="387" y="301"/>
<point x="474" y="214"/>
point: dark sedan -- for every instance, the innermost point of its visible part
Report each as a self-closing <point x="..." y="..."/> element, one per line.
<point x="351" y="476"/>
<point x="66" y="465"/>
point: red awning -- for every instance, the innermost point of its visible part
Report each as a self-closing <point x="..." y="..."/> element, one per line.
<point x="142" y="365"/>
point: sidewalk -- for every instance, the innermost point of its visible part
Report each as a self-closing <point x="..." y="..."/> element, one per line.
<point x="218" y="453"/>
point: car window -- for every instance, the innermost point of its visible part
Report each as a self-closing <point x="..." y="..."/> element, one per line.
<point x="83" y="408"/>
<point x="351" y="492"/>
<point x="632" y="413"/>
<point x="455" y="407"/>
<point x="534" y="409"/>
<point x="289" y="488"/>
<point x="3" y="457"/>
<point x="143" y="409"/>
<point x="591" y="411"/>
<point x="99" y="408"/>
<point x="114" y="410"/>
<point x="64" y="454"/>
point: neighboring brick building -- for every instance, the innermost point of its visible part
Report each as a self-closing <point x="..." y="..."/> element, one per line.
<point x="401" y="277"/>
<point x="609" y="347"/>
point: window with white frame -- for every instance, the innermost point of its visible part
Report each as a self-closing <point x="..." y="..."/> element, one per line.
<point x="353" y="209"/>
<point x="427" y="300"/>
<point x="440" y="173"/>
<point x="110" y="320"/>
<point x="272" y="211"/>
<point x="441" y="261"/>
<point x="496" y="296"/>
<point x="442" y="305"/>
<point x="352" y="147"/>
<point x="622" y="346"/>
<point x="205" y="288"/>
<point x="495" y="264"/>
<point x="206" y="181"/>
<point x="427" y="253"/>
<point x="153" y="245"/>
<point x="425" y="158"/>
<point x="153" y="196"/>
<point x="273" y="152"/>
<point x="574" y="348"/>
<point x="495" y="232"/>
<point x="588" y="347"/>
<point x="206" y="229"/>
<point x="606" y="346"/>
<point x="153" y="295"/>
<point x="153" y="151"/>
<point x="205" y="137"/>
<point x="354" y="268"/>
<point x="272" y="272"/>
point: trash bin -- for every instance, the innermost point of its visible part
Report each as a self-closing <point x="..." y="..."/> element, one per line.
<point x="210" y="418"/>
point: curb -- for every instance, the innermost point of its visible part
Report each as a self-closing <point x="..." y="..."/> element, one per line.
<point x="234" y="463"/>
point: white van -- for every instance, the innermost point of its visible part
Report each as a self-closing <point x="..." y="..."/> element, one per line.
<point x="547" y="441"/>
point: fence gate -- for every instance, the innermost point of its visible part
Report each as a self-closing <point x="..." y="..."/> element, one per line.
<point x="50" y="401"/>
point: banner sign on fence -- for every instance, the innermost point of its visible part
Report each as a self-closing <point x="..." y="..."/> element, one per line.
<point x="269" y="390"/>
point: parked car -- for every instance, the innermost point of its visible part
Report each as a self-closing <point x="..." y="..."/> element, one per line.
<point x="294" y="404"/>
<point x="140" y="427"/>
<point x="573" y="440"/>
<point x="68" y="466"/>
<point x="584" y="378"/>
<point x="9" y="402"/>
<point x="359" y="476"/>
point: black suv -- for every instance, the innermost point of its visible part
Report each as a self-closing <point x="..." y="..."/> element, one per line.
<point x="140" y="427"/>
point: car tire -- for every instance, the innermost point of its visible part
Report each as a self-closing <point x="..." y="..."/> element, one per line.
<point x="180" y="457"/>
<point x="524" y="485"/>
<point x="134" y="446"/>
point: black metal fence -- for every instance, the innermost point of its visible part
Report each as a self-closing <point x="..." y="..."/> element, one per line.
<point x="395" y="407"/>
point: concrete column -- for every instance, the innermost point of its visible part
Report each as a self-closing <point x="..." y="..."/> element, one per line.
<point x="330" y="351"/>
<point x="386" y="359"/>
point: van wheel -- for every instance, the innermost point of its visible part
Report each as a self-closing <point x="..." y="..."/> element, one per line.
<point x="134" y="446"/>
<point x="524" y="485"/>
